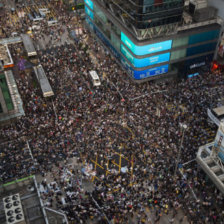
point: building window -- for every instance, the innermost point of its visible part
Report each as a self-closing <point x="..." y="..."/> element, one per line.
<point x="180" y="42"/>
<point x="115" y="29"/>
<point x="100" y="14"/>
<point x="201" y="49"/>
<point x="5" y="92"/>
<point x="1" y="110"/>
<point x="206" y="36"/>
<point x="178" y="54"/>
<point x="115" y="41"/>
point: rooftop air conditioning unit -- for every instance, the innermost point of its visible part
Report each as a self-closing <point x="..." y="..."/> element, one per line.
<point x="13" y="209"/>
<point x="195" y="5"/>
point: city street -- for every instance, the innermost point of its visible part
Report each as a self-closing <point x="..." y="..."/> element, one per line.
<point x="114" y="153"/>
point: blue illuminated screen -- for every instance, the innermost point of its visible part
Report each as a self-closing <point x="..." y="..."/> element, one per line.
<point x="151" y="72"/>
<point x="193" y="75"/>
<point x="143" y="62"/>
<point x="135" y="74"/>
<point x="89" y="3"/>
<point x="146" y="49"/>
<point x="89" y="12"/>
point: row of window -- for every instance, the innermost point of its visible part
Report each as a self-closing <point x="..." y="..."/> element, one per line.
<point x="165" y="57"/>
<point x="163" y="6"/>
<point x="164" y="68"/>
<point x="186" y="52"/>
<point x="1" y="110"/>
<point x="5" y="92"/>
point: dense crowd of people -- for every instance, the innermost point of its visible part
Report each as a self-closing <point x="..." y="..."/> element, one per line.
<point x="83" y="121"/>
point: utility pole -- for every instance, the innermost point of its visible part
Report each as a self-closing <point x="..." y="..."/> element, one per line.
<point x="183" y="128"/>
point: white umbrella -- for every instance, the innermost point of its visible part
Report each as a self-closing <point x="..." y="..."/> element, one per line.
<point x="124" y="169"/>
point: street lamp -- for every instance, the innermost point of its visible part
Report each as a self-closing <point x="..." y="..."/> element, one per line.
<point x="183" y="127"/>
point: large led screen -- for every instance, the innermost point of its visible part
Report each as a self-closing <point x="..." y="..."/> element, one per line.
<point x="89" y="12"/>
<point x="89" y="3"/>
<point x="135" y="74"/>
<point x="151" y="72"/>
<point x="146" y="49"/>
<point x="143" y="62"/>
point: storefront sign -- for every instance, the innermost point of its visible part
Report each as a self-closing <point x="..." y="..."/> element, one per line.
<point x="197" y="65"/>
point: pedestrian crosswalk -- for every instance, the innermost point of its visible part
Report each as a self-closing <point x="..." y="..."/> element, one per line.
<point x="23" y="12"/>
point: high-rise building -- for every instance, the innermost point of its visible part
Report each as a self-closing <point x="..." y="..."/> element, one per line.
<point x="157" y="38"/>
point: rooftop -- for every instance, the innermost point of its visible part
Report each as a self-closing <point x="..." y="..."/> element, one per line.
<point x="201" y="15"/>
<point x="12" y="104"/>
<point x="31" y="204"/>
<point x="5" y="55"/>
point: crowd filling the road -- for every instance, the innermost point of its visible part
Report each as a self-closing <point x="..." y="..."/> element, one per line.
<point x="82" y="121"/>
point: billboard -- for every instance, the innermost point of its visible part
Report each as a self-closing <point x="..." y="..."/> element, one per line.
<point x="151" y="72"/>
<point x="219" y="142"/>
<point x="89" y="12"/>
<point x="143" y="62"/>
<point x="146" y="49"/>
<point x="89" y="3"/>
<point x="135" y="74"/>
<point x="127" y="54"/>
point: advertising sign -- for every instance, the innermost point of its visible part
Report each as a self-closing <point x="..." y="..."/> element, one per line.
<point x="89" y="12"/>
<point x="219" y="141"/>
<point x="89" y="3"/>
<point x="151" y="72"/>
<point x="146" y="49"/>
<point x="135" y="74"/>
<point x="143" y="62"/>
<point x="127" y="54"/>
<point x="193" y="75"/>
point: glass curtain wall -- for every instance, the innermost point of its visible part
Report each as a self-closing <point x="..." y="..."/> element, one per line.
<point x="148" y="13"/>
<point x="5" y="92"/>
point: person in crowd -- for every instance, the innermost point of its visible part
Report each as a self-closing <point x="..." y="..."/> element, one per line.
<point x="84" y="122"/>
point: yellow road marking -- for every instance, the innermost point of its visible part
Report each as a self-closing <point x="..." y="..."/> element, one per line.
<point x="107" y="167"/>
<point x="210" y="140"/>
<point x="120" y="155"/>
<point x="27" y="9"/>
<point x="132" y="165"/>
<point x="35" y="6"/>
<point x="97" y="164"/>
<point x="114" y="163"/>
<point x="116" y="189"/>
<point x="94" y="167"/>
<point x="120" y="163"/>
<point x="104" y="75"/>
<point x="132" y="133"/>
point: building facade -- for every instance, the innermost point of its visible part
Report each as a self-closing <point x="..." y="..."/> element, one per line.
<point x="156" y="38"/>
<point x="6" y="103"/>
<point x="219" y="4"/>
<point x="11" y="105"/>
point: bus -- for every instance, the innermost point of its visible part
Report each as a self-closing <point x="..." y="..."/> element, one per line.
<point x="95" y="78"/>
<point x="28" y="44"/>
<point x="43" y="81"/>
